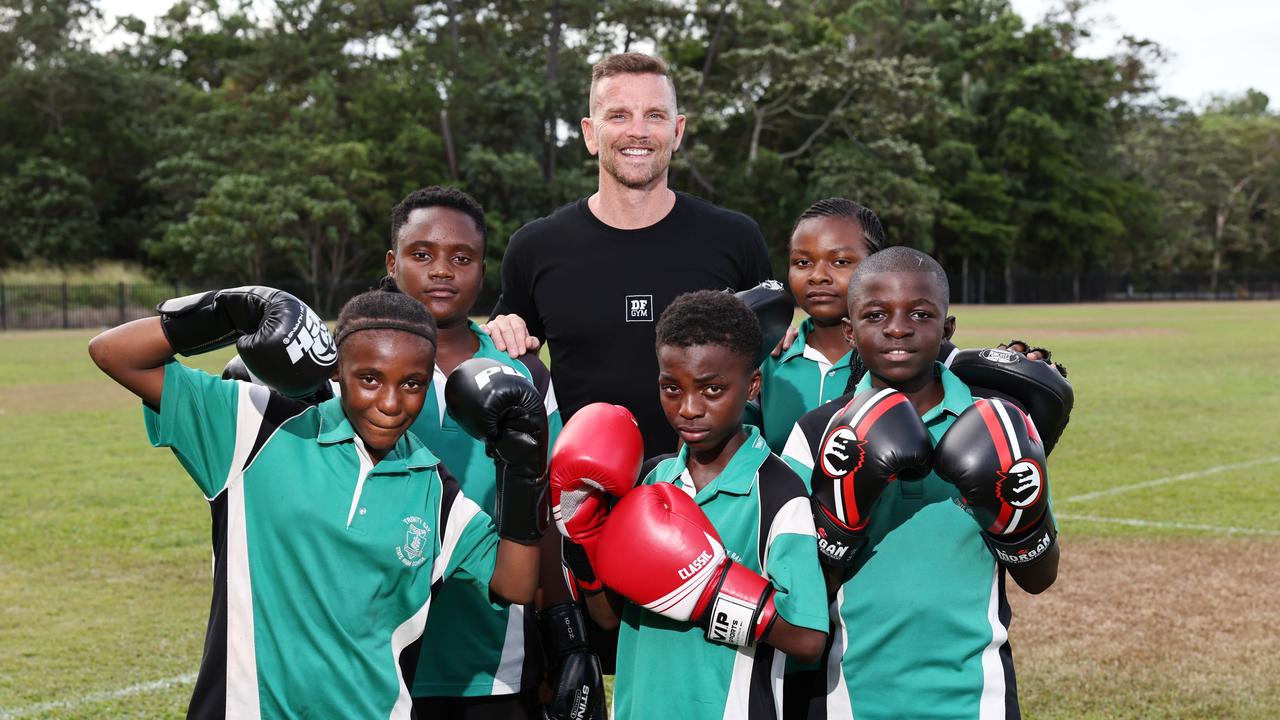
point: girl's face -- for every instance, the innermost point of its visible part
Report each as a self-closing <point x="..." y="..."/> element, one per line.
<point x="824" y="252"/>
<point x="384" y="375"/>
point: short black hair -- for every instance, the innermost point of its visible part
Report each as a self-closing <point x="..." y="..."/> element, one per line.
<point x="899" y="258"/>
<point x="872" y="231"/>
<point x="437" y="196"/>
<point x="381" y="310"/>
<point x="708" y="317"/>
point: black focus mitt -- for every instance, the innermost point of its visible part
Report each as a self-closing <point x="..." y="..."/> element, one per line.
<point x="773" y="308"/>
<point x="1033" y="385"/>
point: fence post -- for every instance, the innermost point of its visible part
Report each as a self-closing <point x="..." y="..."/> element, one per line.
<point x="66" y="320"/>
<point x="120" y="301"/>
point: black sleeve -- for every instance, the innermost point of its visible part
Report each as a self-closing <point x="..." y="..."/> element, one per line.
<point x="756" y="267"/>
<point x="517" y="290"/>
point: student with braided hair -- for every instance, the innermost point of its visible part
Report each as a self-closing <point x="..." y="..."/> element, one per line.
<point x="828" y="241"/>
<point x="332" y="522"/>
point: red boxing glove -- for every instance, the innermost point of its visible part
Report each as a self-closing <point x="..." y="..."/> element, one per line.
<point x="877" y="438"/>
<point x="660" y="551"/>
<point x="598" y="454"/>
<point x="994" y="456"/>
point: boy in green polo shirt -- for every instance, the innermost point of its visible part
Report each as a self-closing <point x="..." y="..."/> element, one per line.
<point x="332" y="523"/>
<point x="828" y="241"/>
<point x="922" y="623"/>
<point x="706" y="345"/>
<point x="475" y="660"/>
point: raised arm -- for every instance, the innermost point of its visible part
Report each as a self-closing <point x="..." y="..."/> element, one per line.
<point x="134" y="355"/>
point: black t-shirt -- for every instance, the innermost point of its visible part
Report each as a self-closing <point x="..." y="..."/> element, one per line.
<point x="594" y="293"/>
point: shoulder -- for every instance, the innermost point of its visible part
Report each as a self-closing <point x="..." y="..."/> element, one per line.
<point x="647" y="475"/>
<point x="708" y="212"/>
<point x="538" y="371"/>
<point x="778" y="480"/>
<point x="814" y="423"/>
<point x="546" y="229"/>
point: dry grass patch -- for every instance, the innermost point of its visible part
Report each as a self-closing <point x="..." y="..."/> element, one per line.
<point x="1160" y="627"/>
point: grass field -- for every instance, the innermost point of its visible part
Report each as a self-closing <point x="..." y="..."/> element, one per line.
<point x="1166" y="483"/>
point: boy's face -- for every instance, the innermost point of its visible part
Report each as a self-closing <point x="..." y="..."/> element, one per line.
<point x="704" y="389"/>
<point x="384" y="375"/>
<point x="824" y="252"/>
<point x="438" y="259"/>
<point x="897" y="322"/>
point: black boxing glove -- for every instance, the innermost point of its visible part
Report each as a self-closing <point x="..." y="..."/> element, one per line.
<point x="774" y="309"/>
<point x="1036" y="386"/>
<point x="279" y="338"/>
<point x="493" y="402"/>
<point x="236" y="370"/>
<point x="994" y="457"/>
<point x="573" y="671"/>
<point x="874" y="440"/>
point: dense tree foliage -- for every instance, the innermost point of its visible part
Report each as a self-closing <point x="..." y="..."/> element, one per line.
<point x="243" y="141"/>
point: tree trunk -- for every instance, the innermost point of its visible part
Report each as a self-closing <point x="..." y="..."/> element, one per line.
<point x="447" y="137"/>
<point x="553" y="77"/>
<point x="1213" y="272"/>
<point x="982" y="286"/>
<point x="1075" y="286"/>
<point x="964" y="281"/>
<point x="1008" y="281"/>
<point x="455" y="39"/>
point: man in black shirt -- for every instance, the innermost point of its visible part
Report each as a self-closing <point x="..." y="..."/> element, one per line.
<point x="593" y="277"/>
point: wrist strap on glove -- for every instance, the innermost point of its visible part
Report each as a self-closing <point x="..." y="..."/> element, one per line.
<point x="523" y="506"/>
<point x="581" y="575"/>
<point x="196" y="324"/>
<point x="742" y="608"/>
<point x="838" y="544"/>
<point x="563" y="628"/>
<point x="1027" y="549"/>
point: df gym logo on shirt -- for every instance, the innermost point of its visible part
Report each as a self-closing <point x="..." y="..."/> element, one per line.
<point x="639" y="308"/>
<point x="413" y="552"/>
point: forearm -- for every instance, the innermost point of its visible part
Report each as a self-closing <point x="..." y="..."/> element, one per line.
<point x="1039" y="576"/>
<point x="515" y="573"/>
<point x="134" y="355"/>
<point x="605" y="609"/>
<point x="803" y="644"/>
<point x="552" y="588"/>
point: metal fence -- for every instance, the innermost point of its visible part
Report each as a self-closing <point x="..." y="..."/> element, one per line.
<point x="87" y="305"/>
<point x="29" y="306"/>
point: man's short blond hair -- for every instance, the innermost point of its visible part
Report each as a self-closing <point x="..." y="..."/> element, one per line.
<point x="631" y="63"/>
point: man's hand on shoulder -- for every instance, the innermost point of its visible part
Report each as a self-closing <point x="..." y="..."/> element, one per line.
<point x="511" y="335"/>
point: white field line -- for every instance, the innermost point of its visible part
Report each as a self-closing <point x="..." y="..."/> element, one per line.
<point x="92" y="698"/>
<point x="1168" y="480"/>
<point x="1134" y="522"/>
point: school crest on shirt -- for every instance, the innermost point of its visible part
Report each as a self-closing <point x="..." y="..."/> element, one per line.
<point x="414" y="550"/>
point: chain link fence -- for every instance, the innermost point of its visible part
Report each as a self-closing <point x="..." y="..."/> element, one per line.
<point x="96" y="305"/>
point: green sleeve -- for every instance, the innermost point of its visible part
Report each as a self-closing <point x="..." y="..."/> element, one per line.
<point x="470" y="555"/>
<point x="793" y="568"/>
<point x="199" y="421"/>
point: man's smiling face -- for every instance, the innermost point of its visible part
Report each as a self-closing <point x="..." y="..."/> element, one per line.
<point x="634" y="129"/>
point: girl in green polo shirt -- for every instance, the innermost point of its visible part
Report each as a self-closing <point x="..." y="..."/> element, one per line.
<point x="331" y="522"/>
<point x="828" y="241"/>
